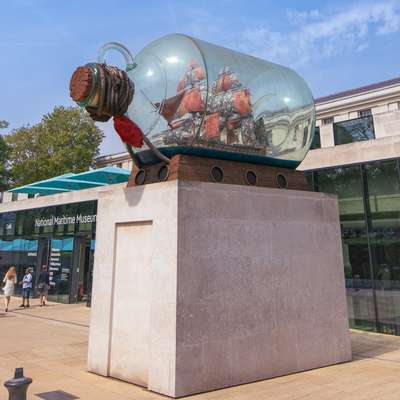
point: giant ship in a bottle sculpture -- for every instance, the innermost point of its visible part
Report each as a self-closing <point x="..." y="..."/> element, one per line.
<point x="202" y="286"/>
<point x="183" y="96"/>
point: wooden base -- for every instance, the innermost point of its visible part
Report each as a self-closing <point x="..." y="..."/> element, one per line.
<point x="203" y="169"/>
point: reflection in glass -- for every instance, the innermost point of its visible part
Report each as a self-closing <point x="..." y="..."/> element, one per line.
<point x="21" y="253"/>
<point x="369" y="201"/>
<point x="60" y="267"/>
<point x="354" y="130"/>
<point x="347" y="184"/>
<point x="384" y="212"/>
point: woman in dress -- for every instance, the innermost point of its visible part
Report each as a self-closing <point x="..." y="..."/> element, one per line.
<point x="10" y="279"/>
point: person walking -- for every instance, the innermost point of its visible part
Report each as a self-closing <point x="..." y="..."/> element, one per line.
<point x="10" y="279"/>
<point x="26" y="287"/>
<point x="43" y="285"/>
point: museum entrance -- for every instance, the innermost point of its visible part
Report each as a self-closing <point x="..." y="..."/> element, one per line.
<point x="70" y="263"/>
<point x="82" y="270"/>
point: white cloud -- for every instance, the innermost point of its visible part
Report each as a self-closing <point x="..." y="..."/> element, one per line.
<point x="297" y="17"/>
<point x="305" y="34"/>
<point x="318" y="34"/>
<point x="362" y="47"/>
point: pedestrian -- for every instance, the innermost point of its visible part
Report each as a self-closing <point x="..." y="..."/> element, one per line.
<point x="26" y="287"/>
<point x="43" y="285"/>
<point x="10" y="279"/>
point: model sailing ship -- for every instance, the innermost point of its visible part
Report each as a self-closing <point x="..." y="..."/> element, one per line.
<point x="228" y="117"/>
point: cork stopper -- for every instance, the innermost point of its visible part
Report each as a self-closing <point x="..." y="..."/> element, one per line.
<point x="81" y="84"/>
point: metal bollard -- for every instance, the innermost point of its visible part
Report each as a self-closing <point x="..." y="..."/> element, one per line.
<point x="18" y="386"/>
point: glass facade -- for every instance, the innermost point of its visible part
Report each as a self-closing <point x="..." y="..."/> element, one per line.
<point x="62" y="237"/>
<point x="369" y="205"/>
<point x="354" y="130"/>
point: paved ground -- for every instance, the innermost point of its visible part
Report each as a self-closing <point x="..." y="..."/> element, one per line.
<point x="51" y="344"/>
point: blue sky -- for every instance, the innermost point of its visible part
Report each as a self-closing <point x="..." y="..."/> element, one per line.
<point x="335" y="45"/>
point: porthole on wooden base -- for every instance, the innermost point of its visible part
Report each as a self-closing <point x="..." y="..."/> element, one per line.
<point x="281" y="181"/>
<point x="251" y="178"/>
<point x="216" y="174"/>
<point x="163" y="173"/>
<point x="140" y="177"/>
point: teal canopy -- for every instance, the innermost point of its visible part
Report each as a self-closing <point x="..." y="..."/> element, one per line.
<point x="70" y="182"/>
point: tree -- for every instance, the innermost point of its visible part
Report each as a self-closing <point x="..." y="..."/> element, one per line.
<point x="3" y="124"/>
<point x="65" y="140"/>
<point x="4" y="153"/>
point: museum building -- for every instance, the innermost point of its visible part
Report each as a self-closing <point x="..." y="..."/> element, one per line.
<point x="54" y="223"/>
<point x="355" y="154"/>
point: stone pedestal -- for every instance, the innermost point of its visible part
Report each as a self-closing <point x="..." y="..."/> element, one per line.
<point x="200" y="286"/>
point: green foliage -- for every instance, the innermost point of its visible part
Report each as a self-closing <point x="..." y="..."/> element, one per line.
<point x="3" y="124"/>
<point x="4" y="171"/>
<point x="65" y="140"/>
<point x="4" y="153"/>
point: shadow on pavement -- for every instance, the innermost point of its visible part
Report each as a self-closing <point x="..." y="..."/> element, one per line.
<point x="56" y="395"/>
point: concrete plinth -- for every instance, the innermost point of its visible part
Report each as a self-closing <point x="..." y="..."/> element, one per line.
<point x="200" y="286"/>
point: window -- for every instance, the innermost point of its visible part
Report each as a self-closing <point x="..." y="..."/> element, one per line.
<point x="31" y="195"/>
<point x="354" y="130"/>
<point x="383" y="203"/>
<point x="347" y="183"/>
<point x="369" y="206"/>
<point x="327" y="121"/>
<point x="14" y="196"/>
<point x="316" y="143"/>
<point x="119" y="165"/>
<point x="364" y="113"/>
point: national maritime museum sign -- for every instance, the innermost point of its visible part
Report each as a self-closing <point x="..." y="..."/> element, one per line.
<point x="65" y="220"/>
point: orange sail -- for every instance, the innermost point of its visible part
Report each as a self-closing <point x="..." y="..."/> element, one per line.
<point x="212" y="126"/>
<point x="171" y="106"/>
<point x="191" y="103"/>
<point x="223" y="83"/>
<point x="242" y="102"/>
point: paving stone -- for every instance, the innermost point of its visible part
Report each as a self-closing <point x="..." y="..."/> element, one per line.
<point x="51" y="345"/>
